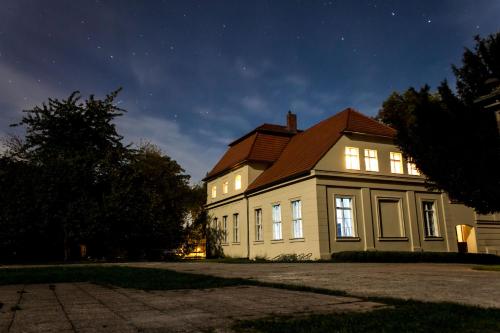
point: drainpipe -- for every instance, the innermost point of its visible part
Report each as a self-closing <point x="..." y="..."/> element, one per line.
<point x="248" y="228"/>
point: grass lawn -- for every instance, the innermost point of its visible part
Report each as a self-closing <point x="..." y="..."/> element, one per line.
<point x="406" y="316"/>
<point x="126" y="277"/>
<point x="488" y="268"/>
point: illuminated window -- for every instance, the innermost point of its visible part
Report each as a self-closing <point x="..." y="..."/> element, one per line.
<point x="396" y="162"/>
<point x="277" y="222"/>
<point x="225" y="187"/>
<point x="258" y="225"/>
<point x="412" y="169"/>
<point x="352" y="158"/>
<point x="214" y="191"/>
<point x="344" y="215"/>
<point x="371" y="160"/>
<point x="237" y="182"/>
<point x="430" y="224"/>
<point x="224" y="229"/>
<point x="236" y="229"/>
<point x="297" y="219"/>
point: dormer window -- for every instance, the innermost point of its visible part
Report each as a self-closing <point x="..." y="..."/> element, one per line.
<point x="371" y="160"/>
<point x="412" y="169"/>
<point x="214" y="191"/>
<point x="396" y="162"/>
<point x="352" y="158"/>
<point x="225" y="187"/>
<point x="237" y="182"/>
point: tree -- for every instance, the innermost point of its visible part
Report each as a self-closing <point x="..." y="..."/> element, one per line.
<point x="452" y="139"/>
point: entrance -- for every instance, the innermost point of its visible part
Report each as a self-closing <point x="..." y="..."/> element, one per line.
<point x="466" y="237"/>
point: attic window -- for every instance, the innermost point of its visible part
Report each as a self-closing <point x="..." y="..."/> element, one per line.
<point x="237" y="182"/>
<point x="352" y="158"/>
<point x="214" y="191"/>
<point x="412" y="169"/>
<point x="225" y="187"/>
<point x="396" y="162"/>
<point x="371" y="160"/>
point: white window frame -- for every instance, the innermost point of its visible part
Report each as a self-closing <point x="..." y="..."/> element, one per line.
<point x="225" y="187"/>
<point x="259" y="235"/>
<point x="396" y="162"/>
<point x="412" y="169"/>
<point x="352" y="158"/>
<point x="347" y="229"/>
<point x="214" y="191"/>
<point x="277" y="225"/>
<point x="371" y="160"/>
<point x="431" y="228"/>
<point x="297" y="231"/>
<point x="237" y="182"/>
<point x="236" y="228"/>
<point x="224" y="229"/>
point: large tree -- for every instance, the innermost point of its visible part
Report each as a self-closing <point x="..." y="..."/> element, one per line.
<point x="453" y="139"/>
<point x="70" y="181"/>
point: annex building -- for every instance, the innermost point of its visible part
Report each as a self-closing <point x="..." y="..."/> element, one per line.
<point x="341" y="185"/>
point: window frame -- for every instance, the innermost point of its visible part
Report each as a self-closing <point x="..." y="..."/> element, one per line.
<point x="236" y="228"/>
<point x="277" y="224"/>
<point x="225" y="187"/>
<point x="396" y="162"/>
<point x="224" y="230"/>
<point x="297" y="226"/>
<point x="412" y="169"/>
<point x="259" y="229"/>
<point x="369" y="160"/>
<point x="352" y="218"/>
<point x="435" y="225"/>
<point x="349" y="158"/>
<point x="214" y="191"/>
<point x="237" y="182"/>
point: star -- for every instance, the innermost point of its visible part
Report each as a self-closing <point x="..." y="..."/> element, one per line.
<point x="342" y="38"/>
<point x="393" y="13"/>
<point x="429" y="21"/>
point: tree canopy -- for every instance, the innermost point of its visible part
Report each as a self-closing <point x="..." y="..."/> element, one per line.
<point x="71" y="182"/>
<point x="453" y="139"/>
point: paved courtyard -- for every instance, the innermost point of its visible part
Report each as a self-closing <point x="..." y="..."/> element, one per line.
<point x="84" y="307"/>
<point x="427" y="282"/>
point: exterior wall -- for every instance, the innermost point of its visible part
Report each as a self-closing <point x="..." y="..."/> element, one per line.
<point x="488" y="233"/>
<point x="305" y="191"/>
<point x="233" y="249"/>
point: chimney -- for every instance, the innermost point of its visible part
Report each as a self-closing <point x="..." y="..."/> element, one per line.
<point x="291" y="122"/>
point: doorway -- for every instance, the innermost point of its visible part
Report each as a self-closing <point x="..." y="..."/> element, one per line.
<point x="466" y="238"/>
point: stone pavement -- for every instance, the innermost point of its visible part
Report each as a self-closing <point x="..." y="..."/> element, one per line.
<point x="426" y="282"/>
<point x="84" y="307"/>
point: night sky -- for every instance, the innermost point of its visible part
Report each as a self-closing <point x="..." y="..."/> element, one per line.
<point x="198" y="74"/>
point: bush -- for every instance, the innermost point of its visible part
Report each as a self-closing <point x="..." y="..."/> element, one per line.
<point x="413" y="257"/>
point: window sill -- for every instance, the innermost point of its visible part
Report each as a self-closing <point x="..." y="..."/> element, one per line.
<point x="224" y="244"/>
<point x="348" y="239"/>
<point x="277" y="241"/>
<point x="392" y="239"/>
<point x="435" y="238"/>
<point x="258" y="242"/>
<point x="235" y="243"/>
<point x="295" y="240"/>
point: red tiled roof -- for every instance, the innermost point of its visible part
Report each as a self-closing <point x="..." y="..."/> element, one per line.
<point x="305" y="149"/>
<point x="263" y="144"/>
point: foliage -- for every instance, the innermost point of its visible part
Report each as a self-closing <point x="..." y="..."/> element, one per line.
<point x="453" y="140"/>
<point x="72" y="182"/>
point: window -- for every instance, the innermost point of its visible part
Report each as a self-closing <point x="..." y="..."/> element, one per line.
<point x="343" y="208"/>
<point x="215" y="224"/>
<point x="225" y="187"/>
<point x="352" y="158"/>
<point x="237" y="182"/>
<point x="214" y="191"/>
<point x="371" y="160"/>
<point x="224" y="229"/>
<point x="277" y="222"/>
<point x="430" y="225"/>
<point x="396" y="162"/>
<point x="412" y="169"/>
<point x="297" y="219"/>
<point x="258" y="225"/>
<point x="236" y="233"/>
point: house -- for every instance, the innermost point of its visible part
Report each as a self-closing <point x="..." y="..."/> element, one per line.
<point x="341" y="185"/>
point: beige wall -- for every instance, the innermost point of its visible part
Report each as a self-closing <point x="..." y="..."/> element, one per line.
<point x="305" y="191"/>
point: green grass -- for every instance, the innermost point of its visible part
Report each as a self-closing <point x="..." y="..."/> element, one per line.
<point x="488" y="268"/>
<point x="126" y="277"/>
<point x="406" y="316"/>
